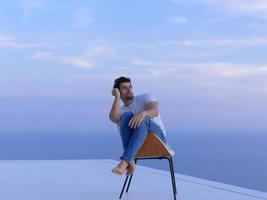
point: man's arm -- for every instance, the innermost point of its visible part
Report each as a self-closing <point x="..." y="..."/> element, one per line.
<point x="151" y="111"/>
<point x="115" y="112"/>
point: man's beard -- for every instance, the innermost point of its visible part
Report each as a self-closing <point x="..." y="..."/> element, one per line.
<point x="129" y="97"/>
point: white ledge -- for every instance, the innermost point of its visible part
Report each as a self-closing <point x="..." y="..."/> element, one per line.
<point x="93" y="180"/>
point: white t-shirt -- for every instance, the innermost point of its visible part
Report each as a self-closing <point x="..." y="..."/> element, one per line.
<point x="139" y="104"/>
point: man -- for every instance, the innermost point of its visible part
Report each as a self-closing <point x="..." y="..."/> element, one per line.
<point x="138" y="116"/>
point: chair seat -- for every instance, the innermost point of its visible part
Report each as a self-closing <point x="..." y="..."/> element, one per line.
<point x="154" y="147"/>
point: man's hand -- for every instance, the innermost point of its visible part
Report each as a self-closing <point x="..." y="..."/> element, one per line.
<point x="116" y="93"/>
<point x="136" y="120"/>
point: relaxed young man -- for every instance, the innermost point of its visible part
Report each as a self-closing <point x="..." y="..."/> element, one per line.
<point x="135" y="118"/>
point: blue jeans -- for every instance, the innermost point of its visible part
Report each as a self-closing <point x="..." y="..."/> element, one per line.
<point x="133" y="138"/>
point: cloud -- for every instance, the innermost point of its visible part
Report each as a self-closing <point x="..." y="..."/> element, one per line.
<point x="109" y="77"/>
<point x="177" y="20"/>
<point x="255" y="7"/>
<point x="234" y="70"/>
<point x="81" y="18"/>
<point x="8" y="41"/>
<point x="112" y="76"/>
<point x="221" y="19"/>
<point x="199" y="54"/>
<point x="30" y="6"/>
<point x="246" y="42"/>
<point x="208" y="75"/>
<point x="69" y="60"/>
<point x="211" y="75"/>
<point x="211" y="69"/>
<point x="98" y="50"/>
<point x="87" y="59"/>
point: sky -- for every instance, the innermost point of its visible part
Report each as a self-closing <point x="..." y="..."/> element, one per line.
<point x="204" y="60"/>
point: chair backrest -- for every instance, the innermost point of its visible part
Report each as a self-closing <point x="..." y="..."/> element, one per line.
<point x="154" y="147"/>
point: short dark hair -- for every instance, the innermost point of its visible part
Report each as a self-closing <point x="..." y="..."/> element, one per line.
<point x="120" y="80"/>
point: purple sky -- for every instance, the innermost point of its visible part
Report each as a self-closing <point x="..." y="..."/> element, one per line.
<point x="203" y="60"/>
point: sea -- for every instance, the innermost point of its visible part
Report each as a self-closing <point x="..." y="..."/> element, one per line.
<point x="234" y="158"/>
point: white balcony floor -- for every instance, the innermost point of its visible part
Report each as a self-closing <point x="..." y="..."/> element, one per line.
<point x="93" y="180"/>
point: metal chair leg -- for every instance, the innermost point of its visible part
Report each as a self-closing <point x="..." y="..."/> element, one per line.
<point x="171" y="172"/>
<point x="122" y="190"/>
<point x="125" y="182"/>
<point x="172" y="177"/>
<point x="127" y="189"/>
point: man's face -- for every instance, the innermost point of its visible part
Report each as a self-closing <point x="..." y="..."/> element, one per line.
<point x="126" y="91"/>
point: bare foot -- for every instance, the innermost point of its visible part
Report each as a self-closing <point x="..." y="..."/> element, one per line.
<point x="131" y="168"/>
<point x="121" y="168"/>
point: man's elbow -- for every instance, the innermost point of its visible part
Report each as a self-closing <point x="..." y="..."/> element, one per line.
<point x="156" y="112"/>
<point x="113" y="119"/>
<point x="152" y="109"/>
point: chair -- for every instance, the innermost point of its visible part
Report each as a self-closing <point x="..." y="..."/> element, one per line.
<point x="153" y="148"/>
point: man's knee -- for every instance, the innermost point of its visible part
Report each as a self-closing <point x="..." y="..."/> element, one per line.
<point x="126" y="117"/>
